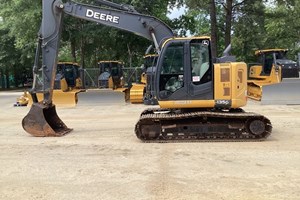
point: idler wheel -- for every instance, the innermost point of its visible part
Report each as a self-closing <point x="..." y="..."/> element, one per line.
<point x="150" y="132"/>
<point x="257" y="127"/>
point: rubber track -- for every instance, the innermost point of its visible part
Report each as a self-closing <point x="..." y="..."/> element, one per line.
<point x="158" y="117"/>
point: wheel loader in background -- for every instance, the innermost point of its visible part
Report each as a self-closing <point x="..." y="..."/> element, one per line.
<point x="198" y="99"/>
<point x="275" y="79"/>
<point x="67" y="85"/>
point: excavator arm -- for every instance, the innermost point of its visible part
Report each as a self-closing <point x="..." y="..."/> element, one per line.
<point x="42" y="119"/>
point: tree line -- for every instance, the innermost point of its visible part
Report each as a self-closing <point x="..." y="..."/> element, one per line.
<point x="248" y="25"/>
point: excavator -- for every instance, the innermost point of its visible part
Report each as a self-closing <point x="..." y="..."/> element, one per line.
<point x="111" y="75"/>
<point x="274" y="79"/>
<point x="67" y="85"/>
<point x="198" y="99"/>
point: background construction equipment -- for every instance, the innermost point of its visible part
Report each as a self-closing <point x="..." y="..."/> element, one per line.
<point x="275" y="79"/>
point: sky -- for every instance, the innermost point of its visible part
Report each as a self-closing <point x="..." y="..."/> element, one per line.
<point x="175" y="12"/>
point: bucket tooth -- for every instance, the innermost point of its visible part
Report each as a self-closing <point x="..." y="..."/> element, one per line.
<point x="43" y="121"/>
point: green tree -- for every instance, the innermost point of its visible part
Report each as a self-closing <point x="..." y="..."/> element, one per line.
<point x="249" y="30"/>
<point x="262" y="26"/>
<point x="226" y="19"/>
<point x="18" y="28"/>
<point x="206" y="9"/>
<point x="283" y="27"/>
<point x="90" y="42"/>
<point x="82" y="41"/>
<point x="10" y="65"/>
<point x="22" y="19"/>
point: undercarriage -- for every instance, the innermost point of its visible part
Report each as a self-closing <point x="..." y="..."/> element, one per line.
<point x="163" y="125"/>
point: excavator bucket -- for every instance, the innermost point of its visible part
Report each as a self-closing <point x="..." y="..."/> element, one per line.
<point x="285" y="93"/>
<point x="42" y="121"/>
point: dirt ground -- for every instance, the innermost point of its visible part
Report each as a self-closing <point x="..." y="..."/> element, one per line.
<point x="102" y="158"/>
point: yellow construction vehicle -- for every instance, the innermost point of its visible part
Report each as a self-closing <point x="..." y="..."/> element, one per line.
<point x="66" y="86"/>
<point x="67" y="76"/>
<point x="141" y="92"/>
<point x="111" y="75"/>
<point x="198" y="99"/>
<point x="23" y="99"/>
<point x="272" y="69"/>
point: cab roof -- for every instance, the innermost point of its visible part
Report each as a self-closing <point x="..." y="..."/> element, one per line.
<point x="110" y="61"/>
<point x="258" y="52"/>
<point x="69" y="63"/>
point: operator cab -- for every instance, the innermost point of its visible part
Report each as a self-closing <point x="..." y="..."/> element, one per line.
<point x="267" y="60"/>
<point x="69" y="71"/>
<point x="185" y="70"/>
<point x="114" y="68"/>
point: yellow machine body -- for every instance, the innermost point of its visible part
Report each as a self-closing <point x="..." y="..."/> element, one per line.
<point x="60" y="98"/>
<point x="110" y="83"/>
<point x="137" y="90"/>
<point x="65" y="96"/>
<point x="116" y="85"/>
<point x="274" y="77"/>
<point x="70" y="85"/>
<point x="230" y="84"/>
<point x="257" y="79"/>
<point x="115" y="81"/>
<point x="144" y="78"/>
<point x="23" y="99"/>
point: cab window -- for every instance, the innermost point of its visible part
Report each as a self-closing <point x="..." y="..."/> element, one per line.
<point x="200" y="62"/>
<point x="171" y="78"/>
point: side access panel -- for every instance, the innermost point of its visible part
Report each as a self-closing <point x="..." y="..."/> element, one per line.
<point x="230" y="84"/>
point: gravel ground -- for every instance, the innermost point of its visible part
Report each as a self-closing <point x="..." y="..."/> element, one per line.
<point x="102" y="158"/>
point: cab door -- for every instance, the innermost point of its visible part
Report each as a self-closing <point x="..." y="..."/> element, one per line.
<point x="170" y="76"/>
<point x="200" y="74"/>
<point x="184" y="70"/>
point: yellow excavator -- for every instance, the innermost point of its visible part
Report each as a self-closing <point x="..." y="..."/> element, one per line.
<point x="274" y="79"/>
<point x="198" y="99"/>
<point x="66" y="86"/>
